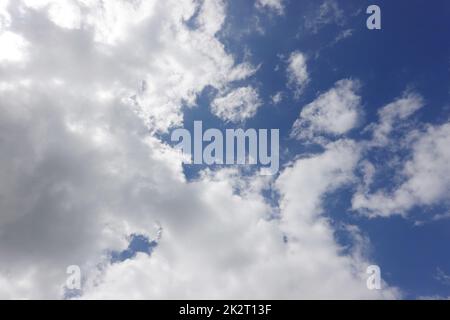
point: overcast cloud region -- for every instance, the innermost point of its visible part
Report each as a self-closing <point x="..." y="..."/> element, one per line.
<point x="90" y="91"/>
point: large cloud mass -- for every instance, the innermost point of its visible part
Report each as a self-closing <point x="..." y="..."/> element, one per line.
<point x="84" y="87"/>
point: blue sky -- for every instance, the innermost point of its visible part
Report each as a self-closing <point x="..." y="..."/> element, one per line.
<point x="91" y="92"/>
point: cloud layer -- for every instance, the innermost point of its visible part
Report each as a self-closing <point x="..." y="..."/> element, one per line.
<point x="86" y="89"/>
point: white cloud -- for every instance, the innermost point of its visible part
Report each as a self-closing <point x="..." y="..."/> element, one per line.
<point x="13" y="47"/>
<point x="425" y="175"/>
<point x="344" y="34"/>
<point x="393" y="114"/>
<point x="233" y="251"/>
<point x="80" y="171"/>
<point x="136" y="42"/>
<point x="297" y="72"/>
<point x="238" y="105"/>
<point x="76" y="162"/>
<point x="327" y="13"/>
<point x="334" y="112"/>
<point x="420" y="178"/>
<point x="442" y="277"/>
<point x="5" y="17"/>
<point x="275" y="5"/>
<point x="277" y="98"/>
<point x="65" y="14"/>
<point x="212" y="16"/>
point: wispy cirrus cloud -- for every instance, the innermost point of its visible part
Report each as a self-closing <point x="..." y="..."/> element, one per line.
<point x="329" y="12"/>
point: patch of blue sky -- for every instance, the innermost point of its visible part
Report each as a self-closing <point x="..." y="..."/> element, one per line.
<point x="137" y="243"/>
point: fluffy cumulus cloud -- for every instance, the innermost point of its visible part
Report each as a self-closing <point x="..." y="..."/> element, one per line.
<point x="421" y="177"/>
<point x="238" y="105"/>
<point x="81" y="168"/>
<point x="249" y="255"/>
<point x="393" y="115"/>
<point x="159" y="75"/>
<point x="334" y="112"/>
<point x="425" y="175"/>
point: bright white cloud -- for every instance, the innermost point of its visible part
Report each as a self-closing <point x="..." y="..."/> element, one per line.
<point x="275" y="5"/>
<point x="228" y="254"/>
<point x="13" y="47"/>
<point x="5" y="17"/>
<point x="334" y="112"/>
<point x="80" y="169"/>
<point x="75" y="158"/>
<point x="393" y="114"/>
<point x="212" y="16"/>
<point x="297" y="72"/>
<point x="65" y="14"/>
<point x="426" y="176"/>
<point x="238" y="105"/>
<point x="141" y="42"/>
